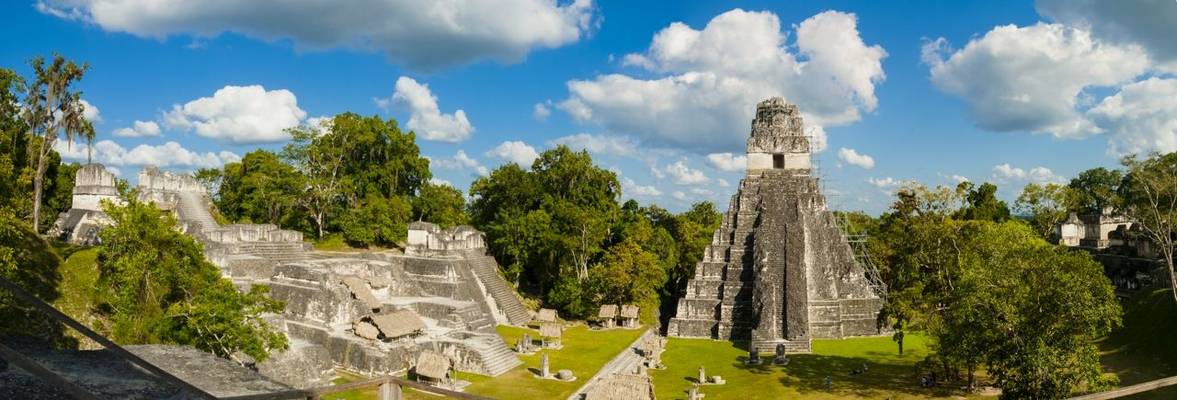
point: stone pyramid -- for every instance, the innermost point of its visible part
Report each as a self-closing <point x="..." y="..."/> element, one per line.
<point x="779" y="269"/>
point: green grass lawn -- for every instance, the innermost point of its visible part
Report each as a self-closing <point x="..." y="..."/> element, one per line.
<point x="1144" y="349"/>
<point x="77" y="289"/>
<point x="585" y="352"/>
<point x="889" y="375"/>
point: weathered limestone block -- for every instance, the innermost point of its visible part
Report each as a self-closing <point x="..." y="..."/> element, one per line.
<point x="365" y="330"/>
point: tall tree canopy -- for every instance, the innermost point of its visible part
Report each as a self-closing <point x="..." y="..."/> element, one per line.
<point x="1149" y="196"/>
<point x="1097" y="189"/>
<point x="53" y="108"/>
<point x="158" y="288"/>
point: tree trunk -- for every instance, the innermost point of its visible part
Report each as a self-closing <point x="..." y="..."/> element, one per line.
<point x="1172" y="275"/>
<point x="38" y="182"/>
<point x="972" y="376"/>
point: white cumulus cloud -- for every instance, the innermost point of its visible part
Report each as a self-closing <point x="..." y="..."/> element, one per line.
<point x="623" y="146"/>
<point x="239" y="114"/>
<point x="540" y="111"/>
<point x="1149" y="23"/>
<point x="1032" y="78"/>
<point x="461" y="162"/>
<point x="884" y="183"/>
<point x="699" y="87"/>
<point x="727" y="162"/>
<point x="1006" y="173"/>
<point x="634" y="189"/>
<point x="425" y="117"/>
<point x="681" y="174"/>
<point x="170" y="154"/>
<point x="91" y="112"/>
<point x="1141" y="117"/>
<point x="422" y="35"/>
<point x="139" y="129"/>
<point x="850" y="156"/>
<point x="515" y="151"/>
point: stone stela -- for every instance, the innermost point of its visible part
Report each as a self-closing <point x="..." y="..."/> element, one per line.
<point x="779" y="270"/>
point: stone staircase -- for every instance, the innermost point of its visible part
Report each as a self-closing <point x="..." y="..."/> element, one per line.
<point x="487" y="271"/>
<point x="193" y="211"/>
<point x="496" y="356"/>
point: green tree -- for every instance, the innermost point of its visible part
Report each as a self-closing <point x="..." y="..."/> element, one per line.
<point x="440" y="204"/>
<point x="262" y="189"/>
<point x="29" y="262"/>
<point x="158" y="288"/>
<point x="981" y="203"/>
<point x="1097" y="189"/>
<point x="1045" y="205"/>
<point x="377" y="221"/>
<point x="1149" y="196"/>
<point x="320" y="157"/>
<point x="628" y="274"/>
<point x="51" y="109"/>
<point x="692" y="230"/>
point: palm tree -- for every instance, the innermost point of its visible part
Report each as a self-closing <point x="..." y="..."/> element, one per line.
<point x="51" y="108"/>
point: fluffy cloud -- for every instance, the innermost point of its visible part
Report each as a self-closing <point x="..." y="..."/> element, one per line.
<point x="707" y="82"/>
<point x="727" y="162"/>
<point x="1006" y="173"/>
<point x="633" y="189"/>
<point x="425" y="117"/>
<point x="461" y="162"/>
<point x="540" y="112"/>
<point x="884" y="183"/>
<point x="1147" y="23"/>
<point x="139" y="129"/>
<point x="90" y="112"/>
<point x="170" y="154"/>
<point x="1141" y="117"/>
<point x="600" y="144"/>
<point x="722" y="182"/>
<point x="239" y="114"/>
<point x="1032" y="78"/>
<point x="684" y="175"/>
<point x="421" y="35"/>
<point x="850" y="156"/>
<point x="516" y="152"/>
<point x="678" y="195"/>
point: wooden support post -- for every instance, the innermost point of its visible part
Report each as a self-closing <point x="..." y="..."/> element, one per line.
<point x="388" y="391"/>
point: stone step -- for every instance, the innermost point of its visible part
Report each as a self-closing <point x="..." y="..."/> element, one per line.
<point x="486" y="269"/>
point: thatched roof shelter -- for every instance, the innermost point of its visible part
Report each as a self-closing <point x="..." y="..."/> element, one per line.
<point x="432" y="365"/>
<point x="551" y="331"/>
<point x="608" y="311"/>
<point x="398" y="323"/>
<point x="622" y="387"/>
<point x="546" y="315"/>
<point x="629" y="311"/>
<point x="359" y="290"/>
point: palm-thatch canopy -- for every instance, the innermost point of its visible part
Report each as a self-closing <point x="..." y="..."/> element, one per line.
<point x="432" y="365"/>
<point x="608" y="311"/>
<point x="622" y="387"/>
<point x="546" y="315"/>
<point x="398" y="323"/>
<point x="551" y="331"/>
<point x="359" y="290"/>
<point x="629" y="311"/>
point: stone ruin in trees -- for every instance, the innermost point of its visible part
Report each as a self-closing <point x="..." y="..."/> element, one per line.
<point x="370" y="313"/>
<point x="779" y="269"/>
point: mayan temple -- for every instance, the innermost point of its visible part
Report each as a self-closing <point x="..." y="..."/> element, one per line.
<point x="779" y="270"/>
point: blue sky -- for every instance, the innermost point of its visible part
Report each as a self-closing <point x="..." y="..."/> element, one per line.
<point x="1011" y="92"/>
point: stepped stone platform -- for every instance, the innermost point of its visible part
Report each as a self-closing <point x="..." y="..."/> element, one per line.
<point x="93" y="184"/>
<point x="371" y="313"/>
<point x="779" y="270"/>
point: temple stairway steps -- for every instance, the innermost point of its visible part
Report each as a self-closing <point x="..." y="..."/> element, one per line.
<point x="496" y="356"/>
<point x="193" y="211"/>
<point x="486" y="269"/>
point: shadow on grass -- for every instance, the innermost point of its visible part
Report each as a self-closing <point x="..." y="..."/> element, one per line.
<point x="807" y="373"/>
